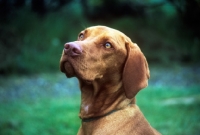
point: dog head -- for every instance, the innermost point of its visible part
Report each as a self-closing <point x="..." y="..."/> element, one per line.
<point x="106" y="54"/>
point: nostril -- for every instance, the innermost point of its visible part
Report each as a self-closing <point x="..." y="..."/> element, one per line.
<point x="66" y="46"/>
<point x="76" y="51"/>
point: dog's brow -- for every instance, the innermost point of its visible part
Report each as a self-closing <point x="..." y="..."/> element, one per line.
<point x="85" y="31"/>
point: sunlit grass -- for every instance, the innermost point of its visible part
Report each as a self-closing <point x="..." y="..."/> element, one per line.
<point x="169" y="111"/>
<point x="45" y="116"/>
<point x="59" y="115"/>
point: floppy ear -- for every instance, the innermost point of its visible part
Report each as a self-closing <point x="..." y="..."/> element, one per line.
<point x="136" y="71"/>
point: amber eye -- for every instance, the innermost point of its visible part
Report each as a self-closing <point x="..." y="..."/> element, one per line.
<point x="108" y="45"/>
<point x="81" y="36"/>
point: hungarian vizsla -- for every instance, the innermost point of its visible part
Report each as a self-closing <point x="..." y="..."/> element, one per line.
<point x="111" y="70"/>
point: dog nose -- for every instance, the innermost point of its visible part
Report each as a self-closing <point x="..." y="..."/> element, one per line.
<point x="72" y="49"/>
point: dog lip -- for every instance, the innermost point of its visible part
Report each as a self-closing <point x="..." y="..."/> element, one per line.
<point x="88" y="81"/>
<point x="70" y="71"/>
<point x="62" y="67"/>
<point x="67" y="68"/>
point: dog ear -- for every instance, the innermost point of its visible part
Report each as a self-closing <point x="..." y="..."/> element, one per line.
<point x="136" y="72"/>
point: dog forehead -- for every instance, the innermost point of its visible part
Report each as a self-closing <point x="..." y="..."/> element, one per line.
<point x="103" y="30"/>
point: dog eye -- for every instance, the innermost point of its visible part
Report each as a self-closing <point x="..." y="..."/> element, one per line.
<point x="108" y="45"/>
<point x="81" y="36"/>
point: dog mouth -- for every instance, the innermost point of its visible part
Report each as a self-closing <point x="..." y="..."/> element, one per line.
<point x="70" y="70"/>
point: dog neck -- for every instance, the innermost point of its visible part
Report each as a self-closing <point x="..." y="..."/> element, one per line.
<point x="98" y="117"/>
<point x="100" y="98"/>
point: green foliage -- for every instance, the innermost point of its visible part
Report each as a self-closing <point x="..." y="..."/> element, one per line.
<point x="40" y="39"/>
<point x="31" y="43"/>
<point x="161" y="36"/>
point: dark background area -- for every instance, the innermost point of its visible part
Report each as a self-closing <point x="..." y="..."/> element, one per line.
<point x="36" y="98"/>
<point x="33" y="32"/>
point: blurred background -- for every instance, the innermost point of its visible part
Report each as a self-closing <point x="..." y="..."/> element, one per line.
<point x="36" y="98"/>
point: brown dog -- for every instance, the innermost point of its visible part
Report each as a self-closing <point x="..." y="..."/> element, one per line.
<point x="111" y="70"/>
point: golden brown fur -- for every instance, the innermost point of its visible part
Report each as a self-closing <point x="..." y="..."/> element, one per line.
<point x="111" y="70"/>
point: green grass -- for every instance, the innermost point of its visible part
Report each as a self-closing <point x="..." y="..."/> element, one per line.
<point x="59" y="115"/>
<point x="178" y="117"/>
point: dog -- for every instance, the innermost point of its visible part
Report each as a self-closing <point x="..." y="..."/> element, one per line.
<point x="111" y="70"/>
